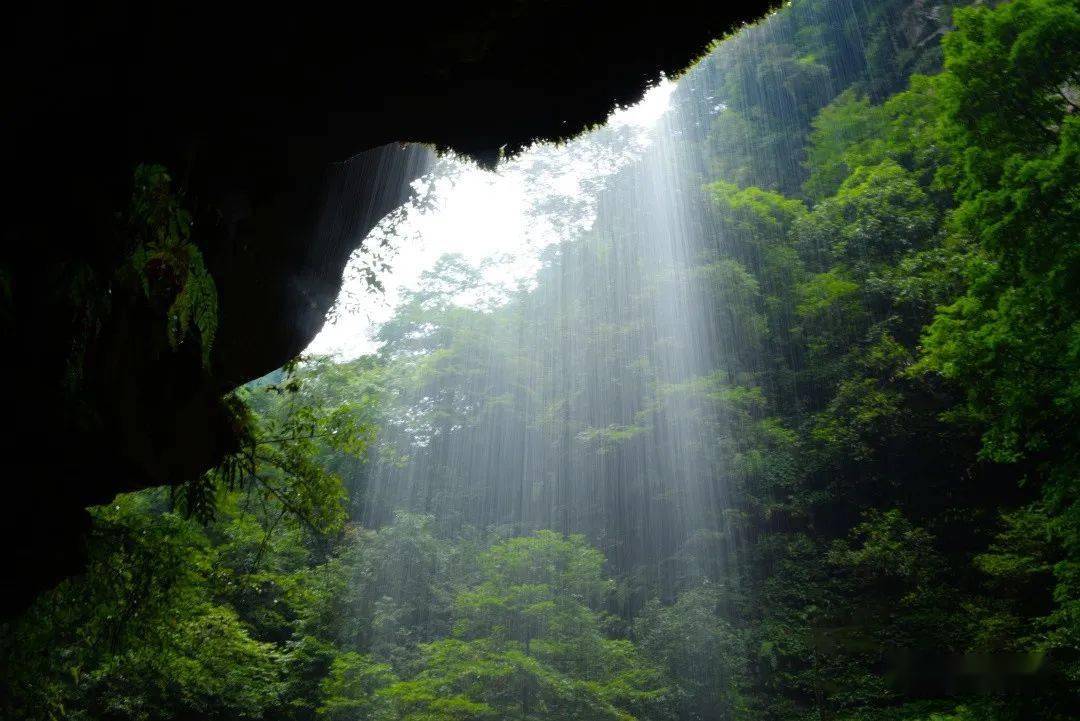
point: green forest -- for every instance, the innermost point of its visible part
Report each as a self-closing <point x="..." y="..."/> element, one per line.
<point x="859" y="502"/>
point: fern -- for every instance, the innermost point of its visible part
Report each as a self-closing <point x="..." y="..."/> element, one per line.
<point x="195" y="304"/>
<point x="167" y="262"/>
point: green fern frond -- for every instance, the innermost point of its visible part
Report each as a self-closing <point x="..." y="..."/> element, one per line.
<point x="162" y="228"/>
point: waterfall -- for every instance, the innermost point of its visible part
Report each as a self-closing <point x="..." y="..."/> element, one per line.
<point x="559" y="389"/>
<point x="594" y="368"/>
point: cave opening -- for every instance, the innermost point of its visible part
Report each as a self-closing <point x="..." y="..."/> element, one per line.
<point x="755" y="401"/>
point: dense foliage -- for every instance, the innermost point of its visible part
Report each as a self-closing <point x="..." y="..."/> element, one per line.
<point x="875" y="516"/>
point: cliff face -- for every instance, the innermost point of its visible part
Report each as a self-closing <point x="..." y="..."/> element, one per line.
<point x="250" y="106"/>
